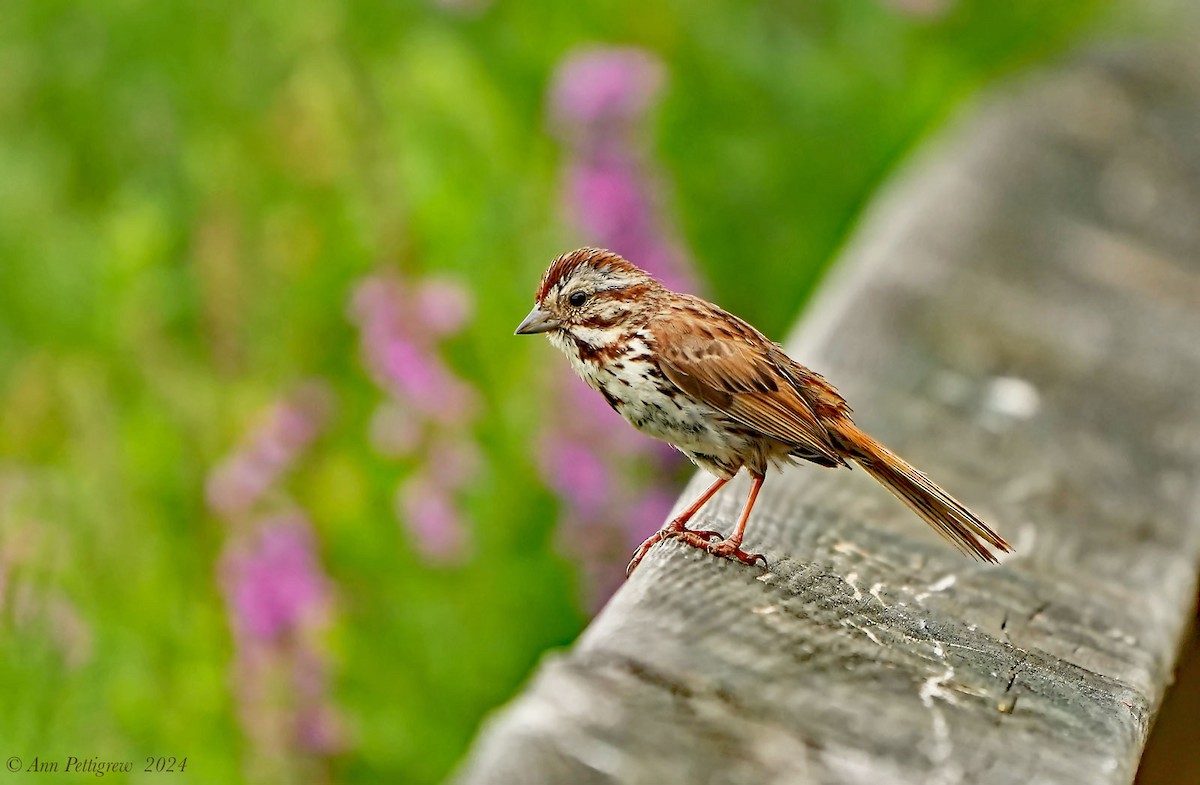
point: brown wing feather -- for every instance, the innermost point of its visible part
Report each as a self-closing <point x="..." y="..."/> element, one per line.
<point x="733" y="371"/>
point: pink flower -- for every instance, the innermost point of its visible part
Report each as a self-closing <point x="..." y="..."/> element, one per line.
<point x="576" y="472"/>
<point x="398" y="347"/>
<point x="594" y="421"/>
<point x="442" y="305"/>
<point x="417" y="375"/>
<point x="319" y="729"/>
<point x="275" y="583"/>
<point x="613" y="202"/>
<point x="610" y="198"/>
<point x="276" y="593"/>
<point x="604" y="85"/>
<point x="279" y="601"/>
<point x="598" y="99"/>
<point x="428" y="406"/>
<point x="427" y="509"/>
<point x="384" y="305"/>
<point x="649" y="513"/>
<point x="270" y="449"/>
<point x="318" y="725"/>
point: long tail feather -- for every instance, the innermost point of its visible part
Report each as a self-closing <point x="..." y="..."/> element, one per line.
<point x="939" y="509"/>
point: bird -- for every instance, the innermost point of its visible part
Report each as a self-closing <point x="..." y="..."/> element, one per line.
<point x="683" y="370"/>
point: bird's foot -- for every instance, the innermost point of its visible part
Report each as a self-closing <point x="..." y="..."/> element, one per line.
<point x="732" y="550"/>
<point x="694" y="536"/>
<point x="699" y="538"/>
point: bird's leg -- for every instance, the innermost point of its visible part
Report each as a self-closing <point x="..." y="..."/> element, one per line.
<point x="731" y="548"/>
<point x="677" y="526"/>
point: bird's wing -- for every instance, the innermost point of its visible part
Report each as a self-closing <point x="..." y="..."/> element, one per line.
<point x="728" y="365"/>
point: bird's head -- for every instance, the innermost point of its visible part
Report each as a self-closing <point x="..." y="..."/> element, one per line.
<point x="591" y="293"/>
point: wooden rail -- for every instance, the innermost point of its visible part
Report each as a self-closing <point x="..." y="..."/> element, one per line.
<point x="1019" y="316"/>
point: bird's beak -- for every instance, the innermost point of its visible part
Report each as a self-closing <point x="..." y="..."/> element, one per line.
<point x="538" y="321"/>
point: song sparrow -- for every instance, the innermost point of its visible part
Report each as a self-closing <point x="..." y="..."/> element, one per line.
<point x="684" y="371"/>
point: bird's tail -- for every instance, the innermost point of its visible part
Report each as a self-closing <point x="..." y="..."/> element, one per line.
<point x="936" y="507"/>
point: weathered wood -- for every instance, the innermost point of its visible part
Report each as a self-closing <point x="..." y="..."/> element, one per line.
<point x="1020" y="316"/>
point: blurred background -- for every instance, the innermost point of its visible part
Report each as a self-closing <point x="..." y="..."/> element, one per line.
<point x="280" y="492"/>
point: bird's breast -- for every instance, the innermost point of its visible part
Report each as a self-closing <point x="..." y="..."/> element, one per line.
<point x="632" y="383"/>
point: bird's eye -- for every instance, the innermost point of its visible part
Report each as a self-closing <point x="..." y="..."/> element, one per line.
<point x="577" y="299"/>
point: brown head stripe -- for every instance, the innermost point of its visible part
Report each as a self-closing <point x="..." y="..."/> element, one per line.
<point x="566" y="264"/>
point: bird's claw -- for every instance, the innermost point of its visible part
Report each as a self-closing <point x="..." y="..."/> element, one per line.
<point x="641" y="552"/>
<point x="700" y="538"/>
<point x="730" y="550"/>
<point x="706" y="534"/>
<point x="705" y="539"/>
<point x="645" y="547"/>
<point x="709" y="541"/>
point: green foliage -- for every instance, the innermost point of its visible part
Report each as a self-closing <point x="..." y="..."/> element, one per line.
<point x="187" y="193"/>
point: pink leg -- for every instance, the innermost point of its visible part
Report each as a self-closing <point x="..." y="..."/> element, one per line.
<point x="677" y="526"/>
<point x="679" y="521"/>
<point x="731" y="548"/>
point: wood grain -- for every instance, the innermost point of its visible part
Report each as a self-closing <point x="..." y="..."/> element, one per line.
<point x="1019" y="316"/>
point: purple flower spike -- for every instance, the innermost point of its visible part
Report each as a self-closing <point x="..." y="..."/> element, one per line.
<point x="443" y="305"/>
<point x="429" y="407"/>
<point x="605" y="86"/>
<point x="413" y="372"/>
<point x="275" y="584"/>
<point x="597" y="464"/>
<point x="649" y="513"/>
<point x="270" y="450"/>
<point x="613" y="202"/>
<point x="595" y="423"/>
<point x="318" y="726"/>
<point x="577" y="473"/>
<point x="597" y="99"/>
<point x="398" y="347"/>
<point x="276" y="593"/>
<point x="319" y="730"/>
<point x="428" y="510"/>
